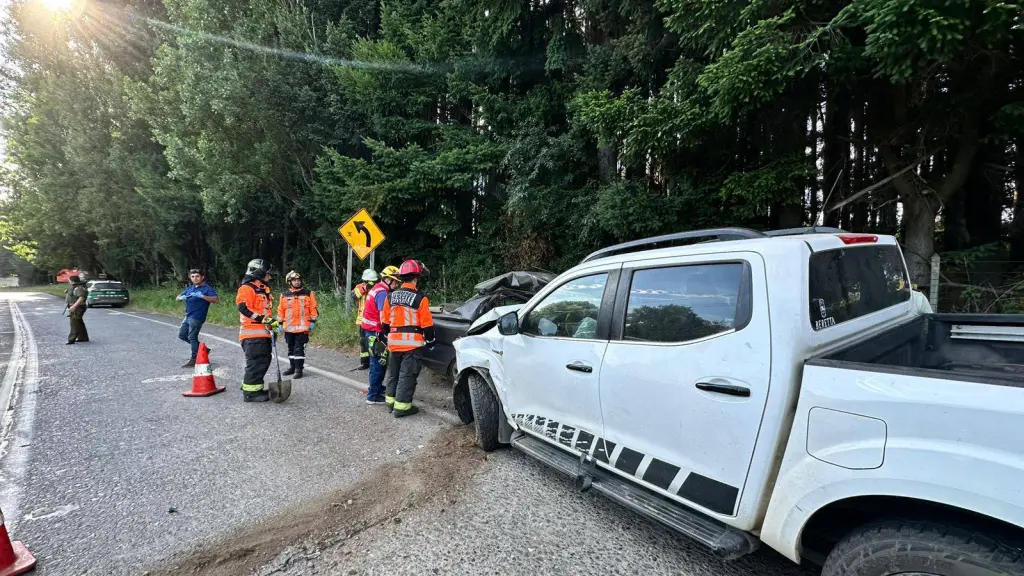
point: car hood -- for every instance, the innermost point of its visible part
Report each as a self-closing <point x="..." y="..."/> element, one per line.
<point x="490" y="317"/>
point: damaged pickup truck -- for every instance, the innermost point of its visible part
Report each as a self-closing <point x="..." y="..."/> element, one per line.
<point x="451" y="321"/>
<point x="776" y="388"/>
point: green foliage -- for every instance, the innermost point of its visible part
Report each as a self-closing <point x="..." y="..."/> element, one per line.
<point x="486" y="136"/>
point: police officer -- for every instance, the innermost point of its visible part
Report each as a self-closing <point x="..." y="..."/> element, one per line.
<point x="298" y="313"/>
<point x="257" y="327"/>
<point x="409" y="327"/>
<point x="75" y="298"/>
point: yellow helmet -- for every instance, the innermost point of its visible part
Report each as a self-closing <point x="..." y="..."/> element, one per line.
<point x="292" y="276"/>
<point x="390" y="272"/>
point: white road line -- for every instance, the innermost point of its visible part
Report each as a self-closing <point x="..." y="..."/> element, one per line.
<point x="17" y="436"/>
<point x="448" y="418"/>
<point x="13" y="365"/>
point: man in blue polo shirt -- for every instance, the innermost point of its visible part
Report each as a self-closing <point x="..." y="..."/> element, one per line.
<point x="197" y="298"/>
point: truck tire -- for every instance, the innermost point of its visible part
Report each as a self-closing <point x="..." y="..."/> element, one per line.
<point x="485" y="413"/>
<point x="922" y="548"/>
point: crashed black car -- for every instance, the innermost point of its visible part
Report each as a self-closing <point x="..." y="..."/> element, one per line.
<point x="452" y="320"/>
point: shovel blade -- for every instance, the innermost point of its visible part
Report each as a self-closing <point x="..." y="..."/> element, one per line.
<point x="280" y="390"/>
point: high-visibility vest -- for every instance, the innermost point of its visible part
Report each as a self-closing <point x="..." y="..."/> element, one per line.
<point x="360" y="293"/>
<point x="297" y="309"/>
<point x="371" y="314"/>
<point x="256" y="297"/>
<point x="407" y="314"/>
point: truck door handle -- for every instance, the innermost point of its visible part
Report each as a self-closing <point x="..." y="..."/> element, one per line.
<point x="724" y="389"/>
<point x="580" y="367"/>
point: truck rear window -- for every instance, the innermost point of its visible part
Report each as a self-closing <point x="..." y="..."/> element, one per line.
<point x="852" y="282"/>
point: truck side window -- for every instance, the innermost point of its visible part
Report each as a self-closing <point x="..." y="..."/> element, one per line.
<point x="683" y="303"/>
<point x="570" y="311"/>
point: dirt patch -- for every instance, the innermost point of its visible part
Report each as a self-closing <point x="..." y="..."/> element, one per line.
<point x="441" y="470"/>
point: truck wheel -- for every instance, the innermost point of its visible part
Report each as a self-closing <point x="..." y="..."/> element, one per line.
<point x="485" y="413"/>
<point x="922" y="549"/>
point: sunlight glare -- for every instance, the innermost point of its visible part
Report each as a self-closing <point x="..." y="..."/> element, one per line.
<point x="59" y="5"/>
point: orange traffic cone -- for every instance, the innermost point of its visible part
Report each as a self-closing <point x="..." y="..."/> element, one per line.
<point x="202" y="379"/>
<point x="14" y="556"/>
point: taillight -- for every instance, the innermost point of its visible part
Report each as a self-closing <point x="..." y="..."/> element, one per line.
<point x="858" y="238"/>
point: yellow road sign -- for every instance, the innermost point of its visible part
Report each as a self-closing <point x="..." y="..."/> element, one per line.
<point x="362" y="234"/>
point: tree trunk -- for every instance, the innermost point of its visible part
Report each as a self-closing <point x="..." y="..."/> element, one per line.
<point x="836" y="151"/>
<point x="1017" y="227"/>
<point x="983" y="214"/>
<point x="607" y="163"/>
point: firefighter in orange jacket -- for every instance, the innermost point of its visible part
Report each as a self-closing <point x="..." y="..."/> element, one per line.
<point x="298" y="314"/>
<point x="257" y="325"/>
<point x="407" y="324"/>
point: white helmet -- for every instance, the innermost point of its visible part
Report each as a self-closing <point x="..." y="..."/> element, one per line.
<point x="369" y="275"/>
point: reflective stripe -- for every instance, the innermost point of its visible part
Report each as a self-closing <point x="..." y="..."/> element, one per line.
<point x="390" y="400"/>
<point x="202" y="370"/>
<point x="402" y="405"/>
<point x="263" y="332"/>
<point x="252" y="387"/>
<point x="406" y="339"/>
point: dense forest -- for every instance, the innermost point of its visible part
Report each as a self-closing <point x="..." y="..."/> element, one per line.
<point x="147" y="137"/>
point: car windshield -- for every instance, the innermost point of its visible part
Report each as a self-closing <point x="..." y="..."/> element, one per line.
<point x="108" y="286"/>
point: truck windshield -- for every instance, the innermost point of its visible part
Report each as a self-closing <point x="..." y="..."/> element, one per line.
<point x="852" y="282"/>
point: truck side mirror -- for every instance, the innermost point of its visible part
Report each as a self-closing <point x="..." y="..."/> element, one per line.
<point x="508" y="325"/>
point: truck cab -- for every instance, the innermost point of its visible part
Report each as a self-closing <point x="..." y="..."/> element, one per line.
<point x="673" y="380"/>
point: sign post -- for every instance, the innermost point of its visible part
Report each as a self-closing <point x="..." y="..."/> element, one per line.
<point x="348" y="282"/>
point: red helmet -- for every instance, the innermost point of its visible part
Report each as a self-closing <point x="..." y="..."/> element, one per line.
<point x="413" y="268"/>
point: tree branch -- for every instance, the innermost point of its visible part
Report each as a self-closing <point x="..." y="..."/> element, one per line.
<point x="853" y="197"/>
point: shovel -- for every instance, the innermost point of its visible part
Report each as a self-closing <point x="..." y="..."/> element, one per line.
<point x="282" y="389"/>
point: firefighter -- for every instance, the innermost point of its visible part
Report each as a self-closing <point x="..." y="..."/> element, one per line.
<point x="409" y="328"/>
<point x="359" y="293"/>
<point x="370" y="328"/>
<point x="298" y="314"/>
<point x="75" y="297"/>
<point x="257" y="327"/>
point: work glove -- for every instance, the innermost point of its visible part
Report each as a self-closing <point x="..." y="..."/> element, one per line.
<point x="180" y="298"/>
<point x="194" y="295"/>
<point x="272" y="324"/>
<point x="430" y="345"/>
<point x="312" y="325"/>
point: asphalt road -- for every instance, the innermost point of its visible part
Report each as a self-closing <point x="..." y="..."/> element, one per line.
<point x="106" y="469"/>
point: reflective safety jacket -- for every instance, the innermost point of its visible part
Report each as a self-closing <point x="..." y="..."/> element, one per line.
<point x="406" y="319"/>
<point x="254" y="303"/>
<point x="360" y="292"/>
<point x="370" y="320"/>
<point x="297" y="309"/>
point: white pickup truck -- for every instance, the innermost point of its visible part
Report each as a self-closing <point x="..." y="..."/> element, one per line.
<point x="768" y="387"/>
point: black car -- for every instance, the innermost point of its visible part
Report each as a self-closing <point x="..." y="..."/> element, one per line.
<point x="451" y="321"/>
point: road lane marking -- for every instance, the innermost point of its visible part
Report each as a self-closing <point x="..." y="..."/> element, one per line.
<point x="13" y="365"/>
<point x="217" y="373"/>
<point x="57" y="512"/>
<point x="447" y="417"/>
<point x="17" y="437"/>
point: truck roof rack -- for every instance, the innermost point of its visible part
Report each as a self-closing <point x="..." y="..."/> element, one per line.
<point x="709" y="235"/>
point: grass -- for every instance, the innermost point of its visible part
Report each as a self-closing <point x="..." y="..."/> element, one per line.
<point x="335" y="329"/>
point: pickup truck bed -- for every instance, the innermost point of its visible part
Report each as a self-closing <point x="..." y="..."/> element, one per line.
<point x="986" y="348"/>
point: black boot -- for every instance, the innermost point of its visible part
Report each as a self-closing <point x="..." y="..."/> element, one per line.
<point x="298" y="368"/>
<point x="261" y="396"/>
<point x="412" y="410"/>
<point x="291" y="369"/>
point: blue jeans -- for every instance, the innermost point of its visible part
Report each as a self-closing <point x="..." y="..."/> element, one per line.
<point x="376" y="391"/>
<point x="189" y="332"/>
